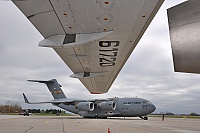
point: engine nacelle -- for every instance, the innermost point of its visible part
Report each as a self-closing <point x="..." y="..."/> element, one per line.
<point x="108" y="105"/>
<point x="85" y="106"/>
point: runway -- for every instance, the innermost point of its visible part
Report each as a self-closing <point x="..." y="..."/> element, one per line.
<point x="73" y="124"/>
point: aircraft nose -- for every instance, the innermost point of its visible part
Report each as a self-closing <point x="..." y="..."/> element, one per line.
<point x="153" y="107"/>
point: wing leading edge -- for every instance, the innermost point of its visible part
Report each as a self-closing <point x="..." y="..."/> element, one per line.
<point x="93" y="38"/>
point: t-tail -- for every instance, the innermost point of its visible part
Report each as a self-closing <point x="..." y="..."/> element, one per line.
<point x="53" y="87"/>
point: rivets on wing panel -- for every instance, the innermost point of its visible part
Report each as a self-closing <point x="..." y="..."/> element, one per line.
<point x="105" y="18"/>
<point x="106" y="4"/>
<point x="65" y="14"/>
<point x="104" y="29"/>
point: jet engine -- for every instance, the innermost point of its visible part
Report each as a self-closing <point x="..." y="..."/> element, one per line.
<point x="85" y="106"/>
<point x="108" y="105"/>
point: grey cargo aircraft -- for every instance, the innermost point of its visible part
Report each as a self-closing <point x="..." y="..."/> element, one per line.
<point x="97" y="108"/>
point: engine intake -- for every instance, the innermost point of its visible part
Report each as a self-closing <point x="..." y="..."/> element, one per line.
<point x="85" y="106"/>
<point x="108" y="105"/>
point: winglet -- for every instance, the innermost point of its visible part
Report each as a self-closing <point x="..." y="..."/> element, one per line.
<point x="25" y="99"/>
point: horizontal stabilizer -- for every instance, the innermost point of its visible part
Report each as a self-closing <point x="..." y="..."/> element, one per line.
<point x="40" y="81"/>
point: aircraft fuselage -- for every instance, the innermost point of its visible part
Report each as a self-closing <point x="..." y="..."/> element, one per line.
<point x="125" y="107"/>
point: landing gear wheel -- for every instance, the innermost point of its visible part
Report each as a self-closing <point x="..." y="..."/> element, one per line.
<point x="145" y="118"/>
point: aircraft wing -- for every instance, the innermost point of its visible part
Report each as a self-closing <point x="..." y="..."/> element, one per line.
<point x="56" y="101"/>
<point x="184" y="21"/>
<point x="93" y="37"/>
<point x="67" y="101"/>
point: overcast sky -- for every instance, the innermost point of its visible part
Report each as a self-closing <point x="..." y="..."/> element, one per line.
<point x="148" y="72"/>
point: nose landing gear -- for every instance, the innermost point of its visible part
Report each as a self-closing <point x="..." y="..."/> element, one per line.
<point x="144" y="118"/>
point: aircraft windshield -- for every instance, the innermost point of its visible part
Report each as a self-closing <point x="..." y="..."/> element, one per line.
<point x="146" y="101"/>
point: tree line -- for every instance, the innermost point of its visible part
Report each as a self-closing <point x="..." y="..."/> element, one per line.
<point x="10" y="107"/>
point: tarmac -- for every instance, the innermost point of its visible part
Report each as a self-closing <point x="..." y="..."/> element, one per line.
<point x="76" y="124"/>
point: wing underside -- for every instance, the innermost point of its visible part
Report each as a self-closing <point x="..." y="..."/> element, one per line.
<point x="94" y="38"/>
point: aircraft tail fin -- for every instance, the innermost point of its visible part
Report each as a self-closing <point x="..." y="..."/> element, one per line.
<point x="53" y="87"/>
<point x="25" y="99"/>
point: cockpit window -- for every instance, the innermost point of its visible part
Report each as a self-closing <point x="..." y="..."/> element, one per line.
<point x="146" y="101"/>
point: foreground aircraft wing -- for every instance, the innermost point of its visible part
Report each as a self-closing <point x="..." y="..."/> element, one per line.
<point x="93" y="37"/>
<point x="184" y="21"/>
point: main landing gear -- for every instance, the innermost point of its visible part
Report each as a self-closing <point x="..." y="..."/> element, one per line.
<point x="144" y="118"/>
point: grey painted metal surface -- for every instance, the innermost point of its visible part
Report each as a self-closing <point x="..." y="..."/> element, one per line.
<point x="97" y="108"/>
<point x="184" y="24"/>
